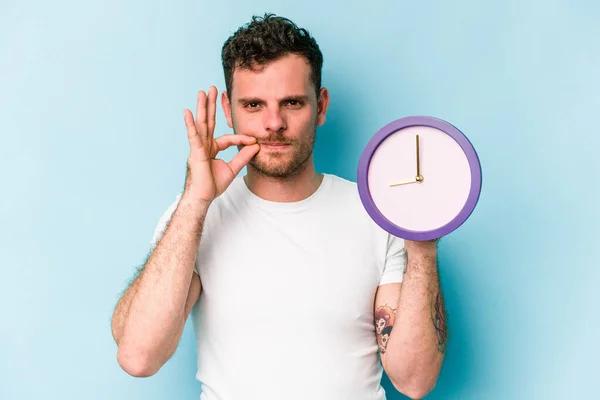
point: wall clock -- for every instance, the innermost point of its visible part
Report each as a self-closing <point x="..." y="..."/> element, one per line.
<point x="419" y="178"/>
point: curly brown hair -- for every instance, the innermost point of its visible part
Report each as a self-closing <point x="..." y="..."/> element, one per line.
<point x="266" y="39"/>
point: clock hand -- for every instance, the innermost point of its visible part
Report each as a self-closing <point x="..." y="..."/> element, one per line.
<point x="419" y="177"/>
<point x="396" y="183"/>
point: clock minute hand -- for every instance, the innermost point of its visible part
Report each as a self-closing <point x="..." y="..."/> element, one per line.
<point x="419" y="177"/>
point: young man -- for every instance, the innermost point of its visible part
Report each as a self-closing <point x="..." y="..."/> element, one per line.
<point x="300" y="295"/>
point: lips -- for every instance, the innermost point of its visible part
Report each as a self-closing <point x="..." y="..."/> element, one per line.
<point x="274" y="145"/>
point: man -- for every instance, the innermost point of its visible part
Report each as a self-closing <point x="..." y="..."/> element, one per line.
<point x="299" y="294"/>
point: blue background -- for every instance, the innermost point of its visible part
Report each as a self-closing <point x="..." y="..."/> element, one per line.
<point x="93" y="150"/>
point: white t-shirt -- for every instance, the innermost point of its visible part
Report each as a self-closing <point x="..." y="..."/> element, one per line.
<point x="286" y="308"/>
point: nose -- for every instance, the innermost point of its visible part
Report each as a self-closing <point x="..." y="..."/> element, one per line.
<point x="273" y="120"/>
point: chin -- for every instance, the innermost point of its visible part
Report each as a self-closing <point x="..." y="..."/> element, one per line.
<point x="274" y="167"/>
<point x="273" y="170"/>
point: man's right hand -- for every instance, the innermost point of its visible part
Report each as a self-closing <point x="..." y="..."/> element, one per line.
<point x="208" y="177"/>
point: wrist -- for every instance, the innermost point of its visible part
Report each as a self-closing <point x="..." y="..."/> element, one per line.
<point x="194" y="204"/>
<point x="422" y="250"/>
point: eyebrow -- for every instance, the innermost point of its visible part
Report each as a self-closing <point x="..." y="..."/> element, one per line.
<point x="243" y="100"/>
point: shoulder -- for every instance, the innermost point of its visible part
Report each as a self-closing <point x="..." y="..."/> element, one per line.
<point x="349" y="211"/>
<point x="345" y="200"/>
<point x="344" y="191"/>
<point x="341" y="186"/>
<point x="343" y="197"/>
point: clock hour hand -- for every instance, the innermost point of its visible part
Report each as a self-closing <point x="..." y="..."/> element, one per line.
<point x="396" y="183"/>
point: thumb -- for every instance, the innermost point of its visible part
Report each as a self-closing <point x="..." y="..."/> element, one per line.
<point x="242" y="158"/>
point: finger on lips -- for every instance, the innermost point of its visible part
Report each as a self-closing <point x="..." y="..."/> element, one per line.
<point x="225" y="141"/>
<point x="242" y="158"/>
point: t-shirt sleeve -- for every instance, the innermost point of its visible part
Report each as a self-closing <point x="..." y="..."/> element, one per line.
<point x="162" y="225"/>
<point x="395" y="261"/>
<point x="163" y="222"/>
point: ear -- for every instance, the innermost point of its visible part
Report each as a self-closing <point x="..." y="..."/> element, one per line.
<point x="226" y="104"/>
<point x="322" y="106"/>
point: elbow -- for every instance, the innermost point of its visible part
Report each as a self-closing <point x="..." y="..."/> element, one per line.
<point x="416" y="393"/>
<point x="414" y="390"/>
<point x="136" y="363"/>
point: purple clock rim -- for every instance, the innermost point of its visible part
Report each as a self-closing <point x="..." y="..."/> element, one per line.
<point x="363" y="183"/>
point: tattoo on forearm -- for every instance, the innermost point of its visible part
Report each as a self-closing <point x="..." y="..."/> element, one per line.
<point x="385" y="316"/>
<point x="439" y="322"/>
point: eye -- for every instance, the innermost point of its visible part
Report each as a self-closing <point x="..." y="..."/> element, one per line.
<point x="252" y="104"/>
<point x="293" y="103"/>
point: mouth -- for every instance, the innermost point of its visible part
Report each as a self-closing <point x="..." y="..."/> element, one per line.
<point x="274" y="146"/>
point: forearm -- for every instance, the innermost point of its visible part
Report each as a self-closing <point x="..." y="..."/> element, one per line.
<point x="122" y="310"/>
<point x="416" y="346"/>
<point x="151" y="314"/>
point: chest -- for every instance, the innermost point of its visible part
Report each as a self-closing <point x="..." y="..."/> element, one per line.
<point x="289" y="274"/>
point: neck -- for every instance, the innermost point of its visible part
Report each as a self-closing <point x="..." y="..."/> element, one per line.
<point x="296" y="187"/>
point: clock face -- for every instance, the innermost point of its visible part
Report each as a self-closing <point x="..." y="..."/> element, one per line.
<point x="419" y="178"/>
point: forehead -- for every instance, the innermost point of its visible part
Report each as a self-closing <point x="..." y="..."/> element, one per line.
<point x="289" y="75"/>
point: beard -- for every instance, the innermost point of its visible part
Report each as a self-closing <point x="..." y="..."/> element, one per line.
<point x="286" y="163"/>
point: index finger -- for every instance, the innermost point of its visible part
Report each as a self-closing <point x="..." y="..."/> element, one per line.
<point x="226" y="141"/>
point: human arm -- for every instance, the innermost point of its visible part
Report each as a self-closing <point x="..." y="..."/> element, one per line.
<point x="413" y="342"/>
<point x="150" y="316"/>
